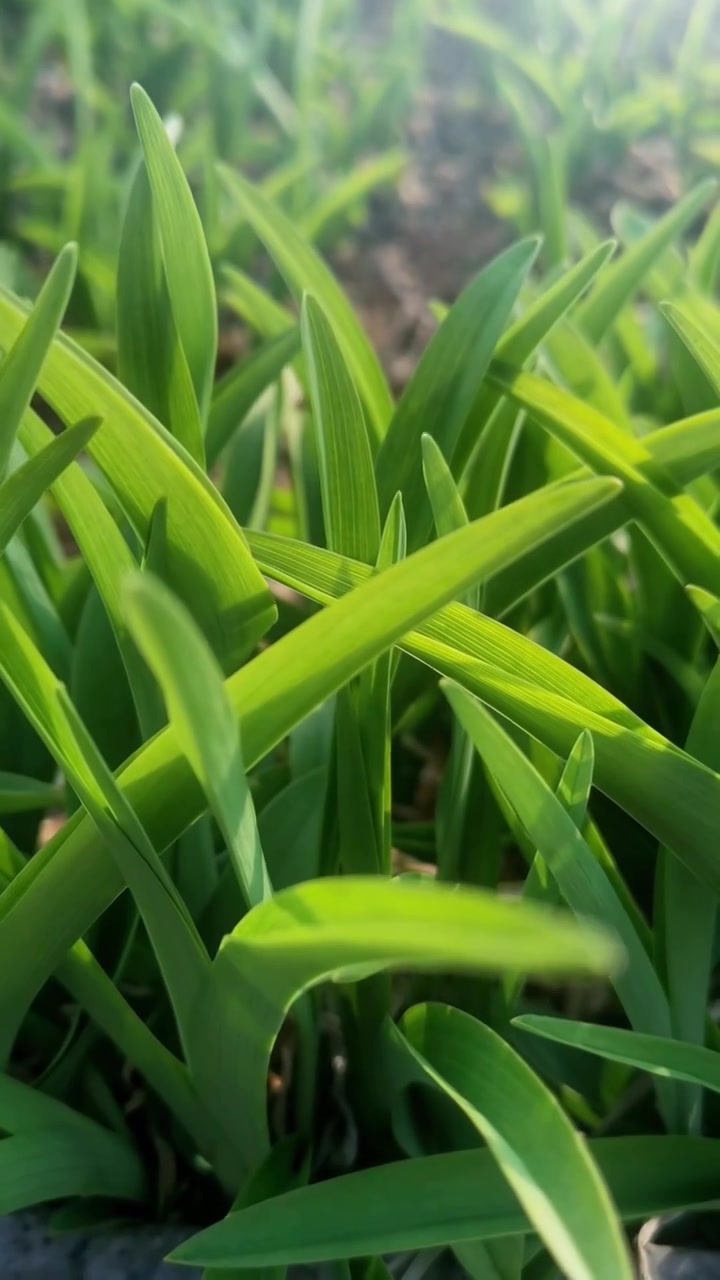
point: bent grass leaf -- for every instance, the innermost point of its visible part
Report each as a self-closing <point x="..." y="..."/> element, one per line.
<point x="208" y="559"/>
<point x="312" y="933"/>
<point x="71" y="881"/>
<point x="236" y="393"/>
<point x="659" y="1055"/>
<point x="545" y="1161"/>
<point x="188" y="272"/>
<point x="21" y="490"/>
<point x="203" y="719"/>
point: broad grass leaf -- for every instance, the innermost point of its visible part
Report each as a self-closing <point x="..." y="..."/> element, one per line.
<point x="208" y="558"/>
<point x="546" y="1162"/>
<point x="304" y="271"/>
<point x="188" y="273"/>
<point x="347" y="481"/>
<point x="71" y="881"/>
<point x="312" y="933"/>
<point x="20" y="370"/>
<point x="203" y="719"/>
<point x="57" y="1163"/>
<point x="699" y="342"/>
<point x="443" y="388"/>
<point x="618" y="284"/>
<point x="439" y="1199"/>
<point x="659" y="1055"/>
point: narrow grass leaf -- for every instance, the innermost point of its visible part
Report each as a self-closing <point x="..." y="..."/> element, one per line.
<point x="347" y="481"/>
<point x="21" y="490"/>
<point x="204" y="722"/>
<point x="304" y="271"/>
<point x="187" y="264"/>
<point x="236" y="393"/>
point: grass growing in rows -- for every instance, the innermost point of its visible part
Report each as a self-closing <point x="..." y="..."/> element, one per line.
<point x="253" y="969"/>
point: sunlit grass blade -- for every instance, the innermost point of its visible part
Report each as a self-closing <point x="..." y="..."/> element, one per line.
<point x="347" y="481"/>
<point x="270" y="696"/>
<point x="20" y="370"/>
<point x="698" y="341"/>
<point x="21" y="490"/>
<point x="545" y="1161"/>
<point x="144" y="464"/>
<point x="443" y="388"/>
<point x="203" y="720"/>
<point x="188" y="272"/>
<point x="304" y="271"/>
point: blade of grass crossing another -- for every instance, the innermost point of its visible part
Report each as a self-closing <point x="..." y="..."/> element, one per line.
<point x="20" y="492"/>
<point x="72" y="880"/>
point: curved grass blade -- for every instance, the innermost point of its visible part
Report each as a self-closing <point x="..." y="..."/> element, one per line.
<point x="21" y="490"/>
<point x="620" y="281"/>
<point x="545" y="1161"/>
<point x="444" y="386"/>
<point x="203" y="719"/>
<point x="187" y="264"/>
<point x="304" y="271"/>
<point x="347" y="481"/>
<point x="313" y="932"/>
<point x="71" y="881"/>
<point x="20" y="370"/>
<point x="436" y="1200"/>
<point x="580" y="878"/>
<point x="675" y="1059"/>
<point x="208" y="559"/>
<point x="54" y="1164"/>
<point x="698" y="341"/>
<point x="236" y="393"/>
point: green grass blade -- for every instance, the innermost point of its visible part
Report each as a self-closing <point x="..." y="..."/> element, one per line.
<point x="661" y="1056"/>
<point x="444" y="386"/>
<point x="312" y="933"/>
<point x="580" y="878"/>
<point x="54" y="1164"/>
<point x="20" y="370"/>
<point x="20" y="492"/>
<point x="304" y="271"/>
<point x="545" y="1161"/>
<point x="72" y="880"/>
<point x="151" y="359"/>
<point x="669" y="793"/>
<point x="236" y="393"/>
<point x="697" y="340"/>
<point x="208" y="559"/>
<point x="187" y="264"/>
<point x="435" y="1200"/>
<point x="347" y="481"/>
<point x="203" y="719"/>
<point x="622" y="279"/>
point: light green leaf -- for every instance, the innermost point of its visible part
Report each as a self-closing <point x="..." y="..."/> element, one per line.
<point x="347" y="482"/>
<point x="236" y="393"/>
<point x="188" y="272"/>
<point x="545" y="1161"/>
<point x="203" y="719"/>
<point x="620" y="281"/>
